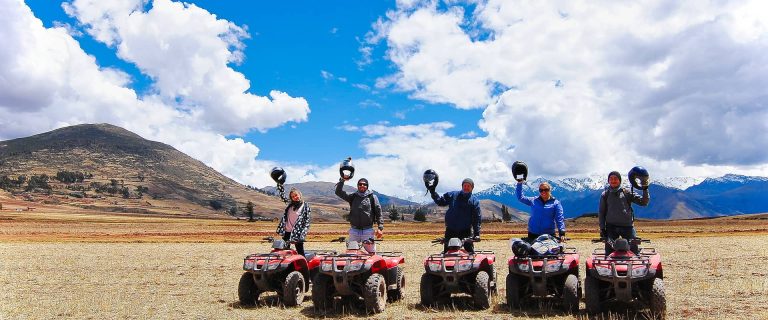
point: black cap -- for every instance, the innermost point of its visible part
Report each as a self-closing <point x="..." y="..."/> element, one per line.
<point x="615" y="173"/>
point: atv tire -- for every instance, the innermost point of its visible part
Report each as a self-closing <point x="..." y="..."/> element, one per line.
<point x="571" y="294"/>
<point x="513" y="291"/>
<point x="322" y="291"/>
<point x="427" y="290"/>
<point x="658" y="300"/>
<point x="592" y="295"/>
<point x="375" y="293"/>
<point x="399" y="293"/>
<point x="247" y="291"/>
<point x="293" y="289"/>
<point x="481" y="292"/>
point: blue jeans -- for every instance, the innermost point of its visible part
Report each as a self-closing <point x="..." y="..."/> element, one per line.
<point x="613" y="232"/>
<point x="361" y="235"/>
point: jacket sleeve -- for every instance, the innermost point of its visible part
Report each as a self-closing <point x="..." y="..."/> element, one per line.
<point x="477" y="217"/>
<point x="340" y="192"/>
<point x="519" y="193"/>
<point x="602" y="210"/>
<point x="306" y="220"/>
<point x="642" y="201"/>
<point x="440" y="201"/>
<point x="376" y="210"/>
<point x="559" y="217"/>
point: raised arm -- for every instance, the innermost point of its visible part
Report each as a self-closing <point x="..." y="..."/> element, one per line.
<point x="519" y="193"/>
<point x="340" y="191"/>
<point x="440" y="200"/>
<point x="641" y="201"/>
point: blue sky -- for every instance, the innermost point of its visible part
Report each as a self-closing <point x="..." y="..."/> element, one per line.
<point x="291" y="44"/>
<point x="463" y="87"/>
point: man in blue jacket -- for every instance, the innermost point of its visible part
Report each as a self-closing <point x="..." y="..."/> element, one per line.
<point x="463" y="217"/>
<point x="546" y="212"/>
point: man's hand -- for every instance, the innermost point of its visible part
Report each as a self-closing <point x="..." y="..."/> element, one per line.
<point x="378" y="233"/>
<point x="476" y="239"/>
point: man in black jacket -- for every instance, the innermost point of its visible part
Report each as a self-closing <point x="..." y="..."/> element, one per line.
<point x="615" y="213"/>
<point x="364" y="210"/>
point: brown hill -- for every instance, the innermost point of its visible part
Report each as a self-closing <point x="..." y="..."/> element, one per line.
<point x="113" y="156"/>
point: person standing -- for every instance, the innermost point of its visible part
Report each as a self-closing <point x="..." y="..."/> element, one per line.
<point x="463" y="218"/>
<point x="364" y="211"/>
<point x="296" y="219"/>
<point x="546" y="212"/>
<point x="615" y="214"/>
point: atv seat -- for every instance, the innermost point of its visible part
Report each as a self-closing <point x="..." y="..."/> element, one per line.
<point x="309" y="255"/>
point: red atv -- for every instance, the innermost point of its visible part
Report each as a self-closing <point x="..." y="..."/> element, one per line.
<point x="458" y="271"/>
<point x="376" y="278"/>
<point x="552" y="273"/>
<point x="625" y="276"/>
<point x="282" y="270"/>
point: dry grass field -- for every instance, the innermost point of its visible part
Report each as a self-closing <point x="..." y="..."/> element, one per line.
<point x="121" y="266"/>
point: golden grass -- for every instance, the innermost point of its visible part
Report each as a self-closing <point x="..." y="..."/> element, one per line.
<point x="705" y="279"/>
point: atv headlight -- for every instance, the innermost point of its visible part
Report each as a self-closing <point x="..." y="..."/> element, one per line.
<point x="273" y="266"/>
<point x="523" y="267"/>
<point x="248" y="265"/>
<point x="553" y="266"/>
<point x="326" y="266"/>
<point x="604" y="271"/>
<point x="435" y="266"/>
<point x="463" y="266"/>
<point x="639" y="272"/>
<point x="354" y="265"/>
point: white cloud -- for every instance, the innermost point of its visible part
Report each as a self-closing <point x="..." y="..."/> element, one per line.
<point x="582" y="87"/>
<point x="187" y="51"/>
<point x="47" y="81"/>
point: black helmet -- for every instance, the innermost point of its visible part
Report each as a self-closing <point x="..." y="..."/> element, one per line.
<point x="521" y="248"/>
<point x="638" y="173"/>
<point x="520" y="171"/>
<point x="346" y="169"/>
<point x="430" y="179"/>
<point x="278" y="174"/>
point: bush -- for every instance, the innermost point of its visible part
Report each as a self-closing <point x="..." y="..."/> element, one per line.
<point x="394" y="215"/>
<point x="216" y="204"/>
<point x="420" y="215"/>
<point x="70" y="177"/>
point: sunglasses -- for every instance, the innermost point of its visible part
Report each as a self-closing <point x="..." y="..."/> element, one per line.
<point x="543" y="190"/>
<point x="362" y="185"/>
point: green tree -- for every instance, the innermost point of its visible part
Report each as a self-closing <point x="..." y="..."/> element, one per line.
<point x="420" y="215"/>
<point x="393" y="214"/>
<point x="505" y="215"/>
<point x="249" y="210"/>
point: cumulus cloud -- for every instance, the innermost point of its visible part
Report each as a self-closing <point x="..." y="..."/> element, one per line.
<point x="582" y="87"/>
<point x="47" y="81"/>
<point x="187" y="51"/>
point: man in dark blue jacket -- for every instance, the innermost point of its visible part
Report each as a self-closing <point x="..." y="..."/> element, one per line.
<point x="463" y="217"/>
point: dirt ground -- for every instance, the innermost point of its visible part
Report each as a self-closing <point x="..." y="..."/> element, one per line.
<point x="706" y="278"/>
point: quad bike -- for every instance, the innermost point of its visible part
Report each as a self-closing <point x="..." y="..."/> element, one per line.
<point x="550" y="274"/>
<point x="282" y="270"/>
<point x="625" y="277"/>
<point x="355" y="274"/>
<point x="459" y="271"/>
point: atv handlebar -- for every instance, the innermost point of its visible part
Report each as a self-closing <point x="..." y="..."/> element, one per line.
<point x="631" y="241"/>
<point x="441" y="240"/>
<point x="269" y="239"/>
<point x="369" y="240"/>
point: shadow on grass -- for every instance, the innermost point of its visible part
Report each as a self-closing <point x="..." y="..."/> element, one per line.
<point x="342" y="307"/>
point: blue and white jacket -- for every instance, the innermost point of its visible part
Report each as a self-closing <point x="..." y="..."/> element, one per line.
<point x="544" y="215"/>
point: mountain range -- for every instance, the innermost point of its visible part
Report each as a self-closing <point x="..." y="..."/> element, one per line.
<point x="671" y="198"/>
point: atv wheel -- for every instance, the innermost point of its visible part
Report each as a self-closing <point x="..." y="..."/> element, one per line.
<point x="322" y="291"/>
<point x="495" y="287"/>
<point x="293" y="289"/>
<point x="375" y="294"/>
<point x="481" y="292"/>
<point x="658" y="300"/>
<point x="513" y="291"/>
<point x="247" y="290"/>
<point x="397" y="294"/>
<point x="571" y="294"/>
<point x="592" y="294"/>
<point x="427" y="290"/>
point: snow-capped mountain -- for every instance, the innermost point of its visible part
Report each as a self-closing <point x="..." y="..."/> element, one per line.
<point x="671" y="198"/>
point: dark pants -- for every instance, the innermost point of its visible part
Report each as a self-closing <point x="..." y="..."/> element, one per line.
<point x="463" y="234"/>
<point x="613" y="233"/>
<point x="299" y="244"/>
<point x="531" y="237"/>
